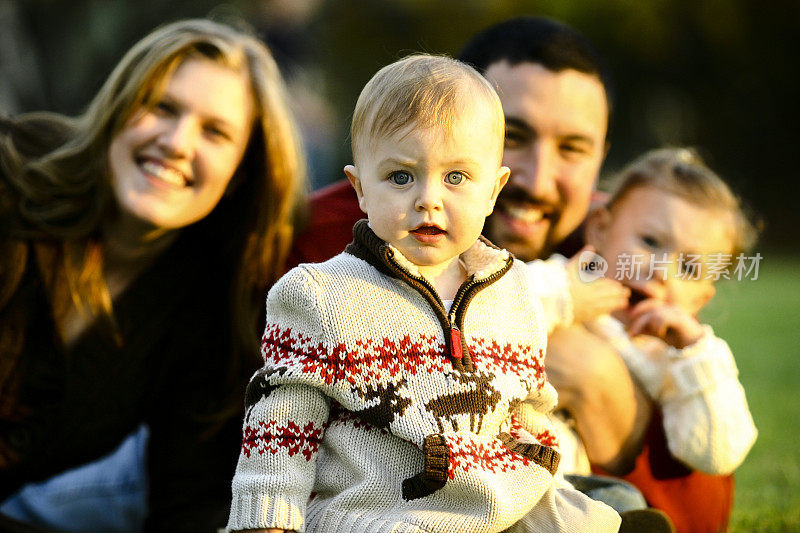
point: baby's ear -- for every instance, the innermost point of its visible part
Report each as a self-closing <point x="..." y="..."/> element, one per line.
<point x="596" y="228"/>
<point x="351" y="172"/>
<point x="501" y="178"/>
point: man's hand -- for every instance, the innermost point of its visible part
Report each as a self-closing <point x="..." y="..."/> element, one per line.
<point x="611" y="412"/>
<point x="667" y="322"/>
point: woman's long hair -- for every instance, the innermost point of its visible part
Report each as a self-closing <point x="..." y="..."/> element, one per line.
<point x="57" y="173"/>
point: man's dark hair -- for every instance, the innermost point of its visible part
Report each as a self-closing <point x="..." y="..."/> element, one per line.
<point x="538" y="40"/>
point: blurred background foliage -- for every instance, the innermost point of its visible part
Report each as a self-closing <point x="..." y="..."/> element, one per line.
<point x="720" y="75"/>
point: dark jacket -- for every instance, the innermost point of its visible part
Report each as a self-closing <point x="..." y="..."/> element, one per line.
<point x="60" y="408"/>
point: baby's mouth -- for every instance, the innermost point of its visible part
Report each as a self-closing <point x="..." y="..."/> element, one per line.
<point x="636" y="296"/>
<point x="428" y="230"/>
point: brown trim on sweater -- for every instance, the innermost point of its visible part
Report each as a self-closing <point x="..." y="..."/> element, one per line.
<point x="434" y="476"/>
<point x="544" y="456"/>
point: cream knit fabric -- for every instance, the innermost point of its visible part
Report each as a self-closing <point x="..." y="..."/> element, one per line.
<point x="706" y="418"/>
<point x="549" y="281"/>
<point x="363" y="420"/>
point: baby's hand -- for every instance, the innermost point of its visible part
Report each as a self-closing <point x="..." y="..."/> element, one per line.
<point x="667" y="322"/>
<point x="591" y="299"/>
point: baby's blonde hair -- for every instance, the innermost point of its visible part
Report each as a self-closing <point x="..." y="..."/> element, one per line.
<point x="425" y="90"/>
<point x="682" y="172"/>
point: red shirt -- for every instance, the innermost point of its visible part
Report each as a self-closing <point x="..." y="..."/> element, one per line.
<point x="333" y="210"/>
<point x="696" y="502"/>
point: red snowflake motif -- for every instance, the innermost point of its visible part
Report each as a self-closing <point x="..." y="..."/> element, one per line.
<point x="520" y="360"/>
<point x="272" y="437"/>
<point x="546" y="438"/>
<point x="492" y="456"/>
<point x="368" y="361"/>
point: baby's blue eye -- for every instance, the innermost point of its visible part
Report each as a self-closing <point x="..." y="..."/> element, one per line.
<point x="454" y="178"/>
<point x="400" y="177"/>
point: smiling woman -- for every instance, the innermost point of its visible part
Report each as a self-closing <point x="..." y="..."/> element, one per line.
<point x="172" y="162"/>
<point x="136" y="241"/>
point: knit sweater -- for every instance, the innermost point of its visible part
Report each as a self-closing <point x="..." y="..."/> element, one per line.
<point x="706" y="419"/>
<point x="707" y="423"/>
<point x="391" y="414"/>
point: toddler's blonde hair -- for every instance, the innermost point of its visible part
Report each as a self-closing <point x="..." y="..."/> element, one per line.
<point x="425" y="90"/>
<point x="682" y="172"/>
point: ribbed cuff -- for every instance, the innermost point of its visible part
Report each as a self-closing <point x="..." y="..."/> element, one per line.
<point x="544" y="456"/>
<point x="254" y="511"/>
<point x="433" y="478"/>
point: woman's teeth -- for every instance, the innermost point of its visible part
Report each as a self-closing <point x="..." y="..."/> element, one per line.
<point x="164" y="173"/>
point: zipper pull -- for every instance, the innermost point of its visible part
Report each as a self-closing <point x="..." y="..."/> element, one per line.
<point x="455" y="342"/>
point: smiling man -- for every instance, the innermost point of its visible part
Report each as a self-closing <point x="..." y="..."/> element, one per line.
<point x="556" y="98"/>
<point x="555" y="157"/>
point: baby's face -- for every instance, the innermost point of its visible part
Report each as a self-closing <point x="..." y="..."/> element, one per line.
<point x="428" y="192"/>
<point x="672" y="241"/>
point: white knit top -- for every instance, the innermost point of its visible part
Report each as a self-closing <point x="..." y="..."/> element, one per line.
<point x="706" y="419"/>
<point x="707" y="422"/>
<point x="376" y="411"/>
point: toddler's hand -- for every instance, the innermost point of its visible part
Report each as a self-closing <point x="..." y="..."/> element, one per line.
<point x="591" y="299"/>
<point x="667" y="322"/>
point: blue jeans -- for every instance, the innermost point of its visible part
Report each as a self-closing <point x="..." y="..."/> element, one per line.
<point x="614" y="492"/>
<point x="106" y="496"/>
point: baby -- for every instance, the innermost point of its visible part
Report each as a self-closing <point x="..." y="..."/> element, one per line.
<point x="404" y="386"/>
<point x="668" y="230"/>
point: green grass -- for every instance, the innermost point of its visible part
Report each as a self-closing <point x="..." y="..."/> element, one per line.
<point x="760" y="319"/>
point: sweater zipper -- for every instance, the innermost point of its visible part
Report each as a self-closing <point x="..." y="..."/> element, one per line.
<point x="456" y="347"/>
<point x="455" y="331"/>
<point x="451" y="319"/>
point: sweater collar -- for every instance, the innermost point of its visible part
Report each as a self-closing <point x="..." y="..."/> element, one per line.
<point x="482" y="259"/>
<point x="485" y="263"/>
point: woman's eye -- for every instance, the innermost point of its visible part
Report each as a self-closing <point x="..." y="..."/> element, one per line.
<point x="454" y="178"/>
<point x="573" y="148"/>
<point x="217" y="132"/>
<point x="400" y="177"/>
<point x="165" y="108"/>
